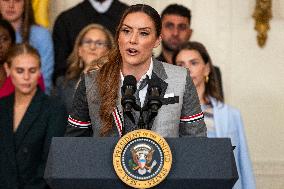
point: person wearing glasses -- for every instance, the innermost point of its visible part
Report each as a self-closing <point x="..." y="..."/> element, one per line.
<point x="74" y="19"/>
<point x="93" y="42"/>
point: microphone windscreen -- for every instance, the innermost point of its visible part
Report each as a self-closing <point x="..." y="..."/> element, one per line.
<point x="129" y="80"/>
<point x="154" y="83"/>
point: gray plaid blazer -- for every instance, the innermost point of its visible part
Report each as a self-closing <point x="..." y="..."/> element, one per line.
<point x="180" y="114"/>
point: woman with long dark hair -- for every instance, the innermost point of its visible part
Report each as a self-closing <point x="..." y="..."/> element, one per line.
<point x="97" y="100"/>
<point x="221" y="119"/>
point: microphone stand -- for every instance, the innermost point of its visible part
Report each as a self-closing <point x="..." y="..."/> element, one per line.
<point x="141" y="124"/>
<point x="151" y="108"/>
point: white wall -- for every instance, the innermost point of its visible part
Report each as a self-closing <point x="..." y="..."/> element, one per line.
<point x="252" y="76"/>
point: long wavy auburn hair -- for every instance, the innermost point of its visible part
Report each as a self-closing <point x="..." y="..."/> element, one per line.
<point x="108" y="77"/>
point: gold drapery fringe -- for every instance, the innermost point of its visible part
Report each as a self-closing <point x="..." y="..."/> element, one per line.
<point x="262" y="14"/>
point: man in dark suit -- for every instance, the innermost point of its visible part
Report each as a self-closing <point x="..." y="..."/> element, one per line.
<point x="70" y="22"/>
<point x="176" y="20"/>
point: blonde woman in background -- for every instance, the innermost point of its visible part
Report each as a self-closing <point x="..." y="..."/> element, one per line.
<point x="20" y="15"/>
<point x="28" y="121"/>
<point x="93" y="42"/>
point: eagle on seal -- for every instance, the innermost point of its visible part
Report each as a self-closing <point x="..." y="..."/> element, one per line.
<point x="142" y="156"/>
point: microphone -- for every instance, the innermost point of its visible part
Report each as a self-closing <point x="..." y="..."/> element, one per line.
<point x="128" y="89"/>
<point x="154" y="102"/>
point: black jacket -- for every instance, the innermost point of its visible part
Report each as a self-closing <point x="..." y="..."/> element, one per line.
<point x="24" y="153"/>
<point x="70" y="22"/>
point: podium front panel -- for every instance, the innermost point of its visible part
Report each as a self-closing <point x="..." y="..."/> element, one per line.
<point x="86" y="162"/>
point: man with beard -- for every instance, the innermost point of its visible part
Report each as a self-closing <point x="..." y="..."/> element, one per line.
<point x="176" y="20"/>
<point x="175" y="30"/>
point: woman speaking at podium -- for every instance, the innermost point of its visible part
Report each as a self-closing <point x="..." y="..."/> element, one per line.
<point x="97" y="109"/>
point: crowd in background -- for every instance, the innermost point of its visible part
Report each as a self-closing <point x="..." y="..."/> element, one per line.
<point x="40" y="72"/>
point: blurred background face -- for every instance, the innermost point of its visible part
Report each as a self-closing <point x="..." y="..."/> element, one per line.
<point x="24" y="72"/>
<point x="12" y="10"/>
<point x="93" y="46"/>
<point x="192" y="60"/>
<point x="136" y="40"/>
<point x="5" y="43"/>
<point x="175" y="31"/>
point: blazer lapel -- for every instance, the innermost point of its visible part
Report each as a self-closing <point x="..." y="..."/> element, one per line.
<point x="10" y="108"/>
<point x="31" y="114"/>
<point x="7" y="136"/>
<point x="159" y="74"/>
<point x="8" y="129"/>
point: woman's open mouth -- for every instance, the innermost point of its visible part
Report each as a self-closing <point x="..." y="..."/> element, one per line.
<point x="132" y="51"/>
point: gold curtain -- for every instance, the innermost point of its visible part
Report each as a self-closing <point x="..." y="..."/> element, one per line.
<point x="41" y="12"/>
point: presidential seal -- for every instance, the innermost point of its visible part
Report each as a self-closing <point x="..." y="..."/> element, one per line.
<point x="142" y="159"/>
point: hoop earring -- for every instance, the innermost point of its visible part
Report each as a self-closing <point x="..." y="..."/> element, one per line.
<point x="206" y="79"/>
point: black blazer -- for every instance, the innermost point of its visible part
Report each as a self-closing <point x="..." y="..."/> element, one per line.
<point x="24" y="153"/>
